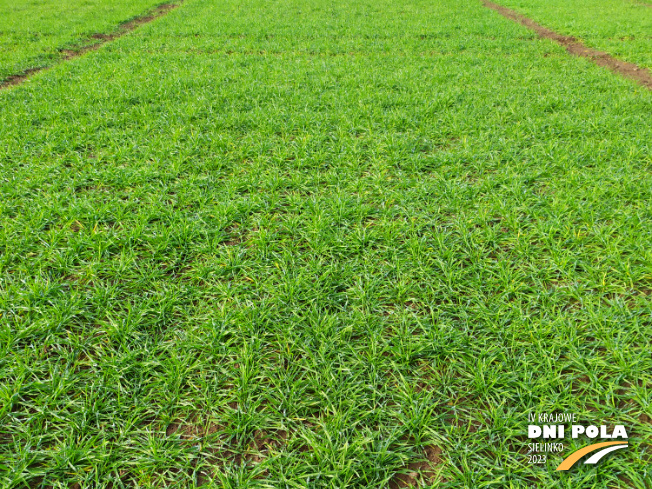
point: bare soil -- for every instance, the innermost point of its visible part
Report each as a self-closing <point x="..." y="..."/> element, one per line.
<point x="422" y="471"/>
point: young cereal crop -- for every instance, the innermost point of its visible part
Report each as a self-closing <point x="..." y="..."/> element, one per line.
<point x="619" y="27"/>
<point x="36" y="34"/>
<point x="322" y="244"/>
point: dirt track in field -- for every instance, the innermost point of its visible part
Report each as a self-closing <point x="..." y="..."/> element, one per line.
<point x="101" y="39"/>
<point x="575" y="47"/>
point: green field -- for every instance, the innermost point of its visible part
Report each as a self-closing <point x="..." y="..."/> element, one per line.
<point x="622" y="28"/>
<point x="291" y="244"/>
<point x="35" y="33"/>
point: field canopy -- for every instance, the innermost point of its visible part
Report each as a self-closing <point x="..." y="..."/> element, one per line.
<point x="38" y="33"/>
<point x="321" y="244"/>
<point x="619" y="27"/>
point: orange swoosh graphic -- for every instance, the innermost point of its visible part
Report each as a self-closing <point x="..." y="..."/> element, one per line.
<point x="569" y="461"/>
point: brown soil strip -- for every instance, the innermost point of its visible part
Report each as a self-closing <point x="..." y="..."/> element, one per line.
<point x="101" y="39"/>
<point x="575" y="47"/>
